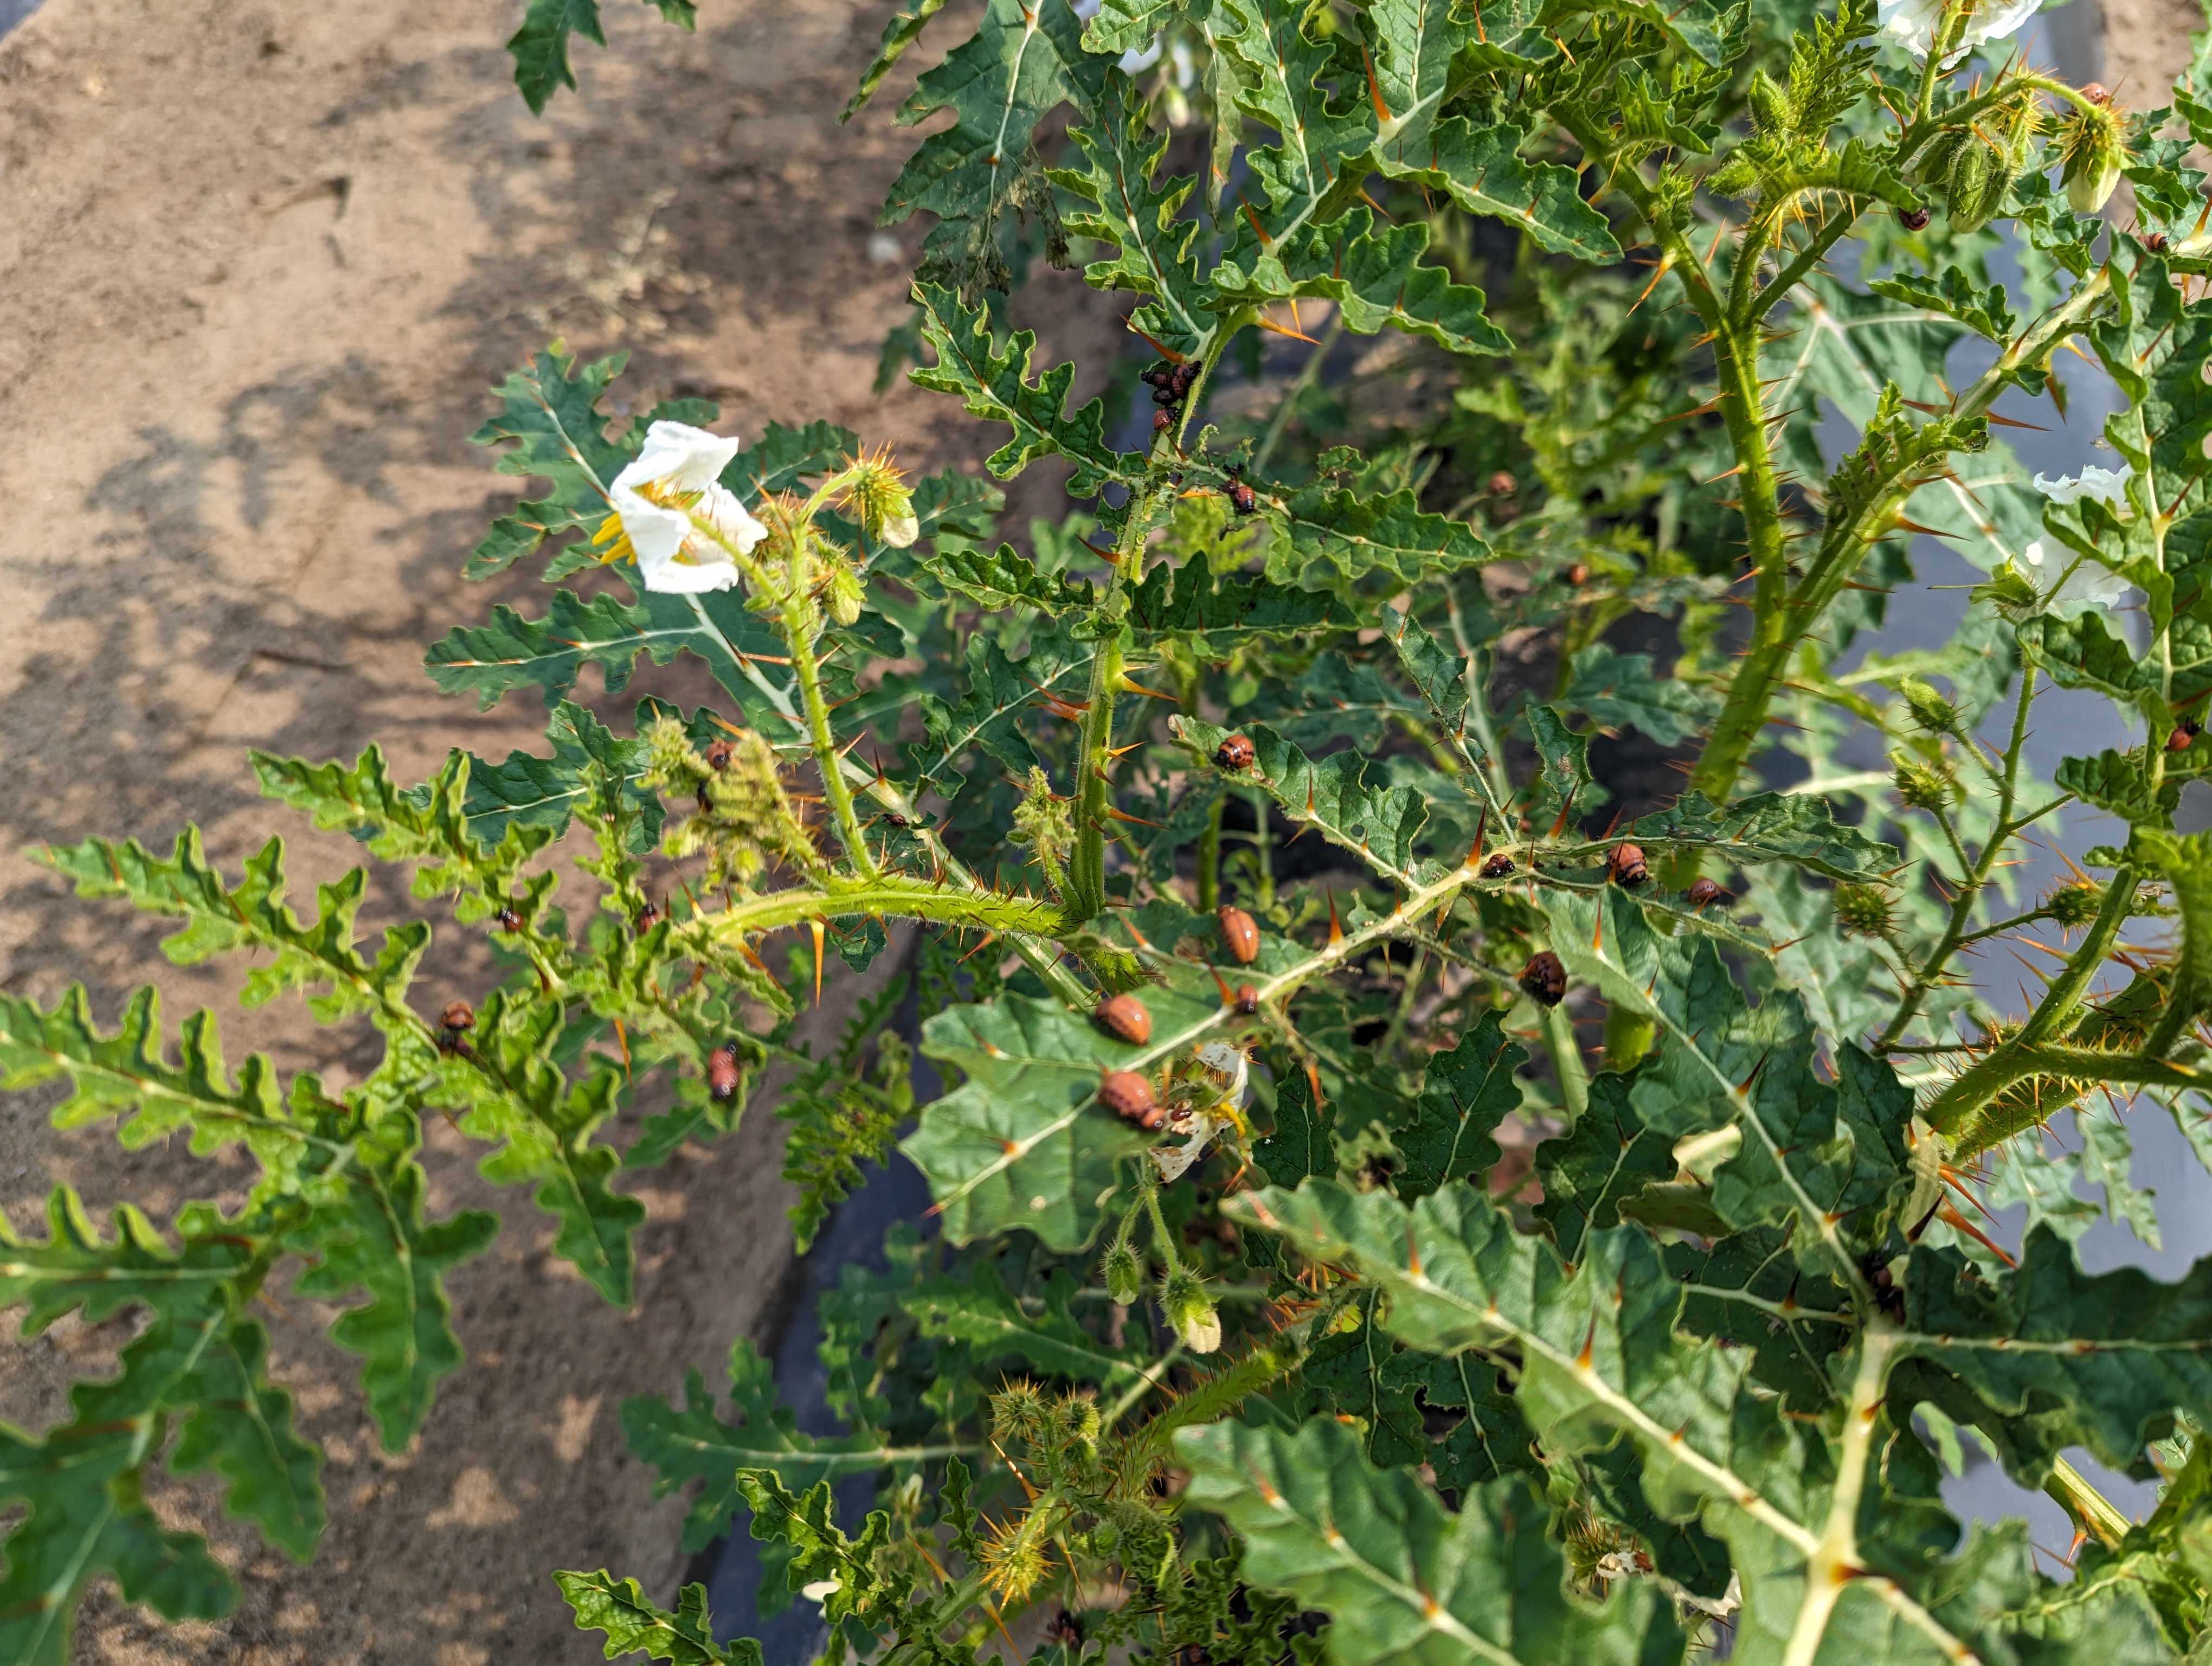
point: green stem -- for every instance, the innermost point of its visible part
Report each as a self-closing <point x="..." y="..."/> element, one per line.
<point x="1777" y="631"/>
<point x="2092" y="1512"/>
<point x="1977" y="874"/>
<point x="892" y="896"/>
<point x="1209" y="857"/>
<point x="2024" y="1055"/>
<point x="797" y="635"/>
<point x="1086" y="868"/>
<point x="1974" y="1131"/>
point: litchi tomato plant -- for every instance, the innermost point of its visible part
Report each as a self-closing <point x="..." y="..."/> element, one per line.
<point x="1388" y="1204"/>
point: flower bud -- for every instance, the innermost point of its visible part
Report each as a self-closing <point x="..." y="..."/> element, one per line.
<point x="1921" y="785"/>
<point x="1770" y="105"/>
<point x="1929" y="709"/>
<point x="1190" y="1311"/>
<point x="841" y="592"/>
<point x="1862" y="910"/>
<point x="2074" y="905"/>
<point x="1125" y="1279"/>
<point x="2011" y="591"/>
<point x="876" y="494"/>
<point x="1976" y="190"/>
<point x="2093" y="152"/>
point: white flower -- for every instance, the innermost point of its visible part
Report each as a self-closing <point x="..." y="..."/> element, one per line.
<point x="1911" y="23"/>
<point x="670" y="481"/>
<point x="819" y="1588"/>
<point x="2088" y="586"/>
<point x="2109" y="484"/>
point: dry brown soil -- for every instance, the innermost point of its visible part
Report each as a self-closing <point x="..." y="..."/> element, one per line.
<point x="259" y="265"/>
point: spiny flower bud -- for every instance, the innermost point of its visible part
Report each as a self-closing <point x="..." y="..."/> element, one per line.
<point x="2074" y="905"/>
<point x="1045" y="823"/>
<point x="1921" y="785"/>
<point x="1863" y="910"/>
<point x="1930" y="710"/>
<point x="2011" y="591"/>
<point x="1018" y="1411"/>
<point x="1190" y="1311"/>
<point x="876" y="494"/>
<point x="1770" y="105"/>
<point x="2092" y="151"/>
<point x="1125" y="1279"/>
<point x="746" y="819"/>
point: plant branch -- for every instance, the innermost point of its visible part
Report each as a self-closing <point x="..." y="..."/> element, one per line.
<point x="1775" y="633"/>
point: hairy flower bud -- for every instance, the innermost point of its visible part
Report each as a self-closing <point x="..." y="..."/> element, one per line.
<point x="2092" y="149"/>
<point x="1190" y="1311"/>
<point x="1921" y="785"/>
<point x="1125" y="1278"/>
<point x="1979" y="179"/>
<point x="842" y="592"/>
<point x="2074" y="905"/>
<point x="876" y="494"/>
<point x="1863" y="910"/>
<point x="1046" y="825"/>
<point x="1770" y="105"/>
<point x="1929" y="709"/>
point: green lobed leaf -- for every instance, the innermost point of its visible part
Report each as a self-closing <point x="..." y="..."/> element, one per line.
<point x="634" y="1624"/>
<point x="996" y="386"/>
<point x="1333" y="538"/>
<point x="511" y="1089"/>
<point x="1304" y="1141"/>
<point x="1447" y="1134"/>
<point x="1478" y="167"/>
<point x="370" y="1237"/>
<point x="1023" y="1142"/>
<point x="1402" y="1578"/>
<point x="1004" y="578"/>
<point x="1829" y="1156"/>
<point x="196" y="1360"/>
<point x="253" y="915"/>
<point x="1375" y="278"/>
<point x="988" y="1317"/>
<point x="1605" y="1159"/>
<point x="1797" y="829"/>
<point x="1619" y="691"/>
<point x="1331" y="794"/>
<point x="1217" y="610"/>
<point x="696" y="1443"/>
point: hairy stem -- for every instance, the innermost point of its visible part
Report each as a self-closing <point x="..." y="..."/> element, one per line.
<point x="1778" y="630"/>
<point x="2024" y="1055"/>
<point x="889" y="895"/>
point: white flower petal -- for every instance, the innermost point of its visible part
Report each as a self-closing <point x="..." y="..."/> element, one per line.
<point x="730" y="519"/>
<point x="687" y="571"/>
<point x="679" y="456"/>
<point x="1912" y="23"/>
<point x="2033" y="554"/>
<point x="2108" y="485"/>
<point x="673" y="557"/>
<point x="818" y="1590"/>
